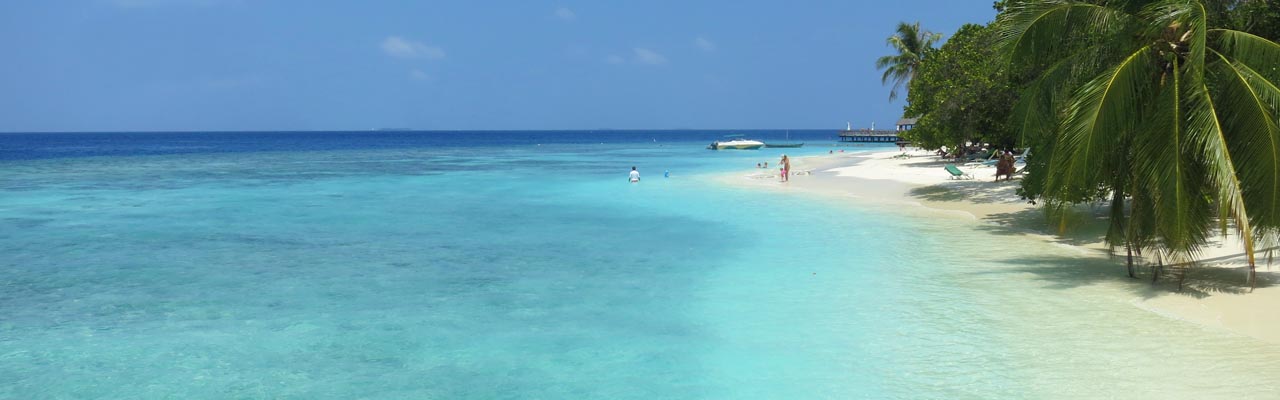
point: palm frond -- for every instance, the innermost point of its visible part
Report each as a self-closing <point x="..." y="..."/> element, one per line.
<point x="1247" y="103"/>
<point x="1044" y="28"/>
<point x="1099" y="113"/>
<point x="907" y="37"/>
<point x="1258" y="52"/>
<point x="1117" y="223"/>
<point x="1205" y="128"/>
<point x="1034" y="114"/>
<point x="911" y="43"/>
<point x="1167" y="161"/>
<point x="1141" y="226"/>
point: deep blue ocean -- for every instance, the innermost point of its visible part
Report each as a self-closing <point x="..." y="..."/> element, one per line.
<point x="483" y="265"/>
<point x="27" y="146"/>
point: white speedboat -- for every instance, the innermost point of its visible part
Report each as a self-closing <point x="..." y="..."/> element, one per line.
<point x="736" y="142"/>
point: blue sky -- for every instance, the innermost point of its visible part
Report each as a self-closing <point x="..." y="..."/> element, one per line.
<point x="154" y="65"/>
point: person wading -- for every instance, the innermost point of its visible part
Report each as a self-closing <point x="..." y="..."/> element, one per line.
<point x="786" y="168"/>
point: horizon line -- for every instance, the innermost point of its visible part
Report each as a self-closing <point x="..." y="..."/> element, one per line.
<point x="390" y="130"/>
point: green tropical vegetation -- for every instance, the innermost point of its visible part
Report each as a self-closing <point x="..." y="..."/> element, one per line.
<point x="961" y="95"/>
<point x="1166" y="111"/>
<point x="912" y="45"/>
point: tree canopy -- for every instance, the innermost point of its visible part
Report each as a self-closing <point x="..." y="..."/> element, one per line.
<point x="962" y="93"/>
<point x="912" y="45"/>
<point x="1166" y="110"/>
<point x="1173" y="117"/>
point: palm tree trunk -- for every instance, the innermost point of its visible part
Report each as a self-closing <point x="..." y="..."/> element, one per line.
<point x="1128" y="248"/>
<point x="1183" y="277"/>
<point x="1253" y="276"/>
<point x="1155" y="270"/>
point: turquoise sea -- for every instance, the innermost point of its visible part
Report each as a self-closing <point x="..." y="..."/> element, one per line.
<point x="491" y="265"/>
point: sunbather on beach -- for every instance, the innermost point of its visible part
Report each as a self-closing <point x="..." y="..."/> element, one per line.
<point x="1005" y="166"/>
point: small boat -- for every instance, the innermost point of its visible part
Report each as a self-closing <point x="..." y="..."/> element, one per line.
<point x="736" y="142"/>
<point x="785" y="144"/>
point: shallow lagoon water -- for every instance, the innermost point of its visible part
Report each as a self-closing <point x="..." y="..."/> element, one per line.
<point x="536" y="271"/>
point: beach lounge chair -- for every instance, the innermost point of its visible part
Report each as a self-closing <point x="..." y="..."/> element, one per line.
<point x="1020" y="162"/>
<point x="990" y="161"/>
<point x="1021" y="155"/>
<point x="956" y="173"/>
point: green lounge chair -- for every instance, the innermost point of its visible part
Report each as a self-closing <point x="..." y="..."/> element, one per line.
<point x="956" y="173"/>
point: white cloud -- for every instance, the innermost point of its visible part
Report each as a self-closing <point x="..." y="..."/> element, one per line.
<point x="705" y="44"/>
<point x="650" y="57"/>
<point x="615" y="59"/>
<point x="396" y="46"/>
<point x="565" y="14"/>
<point x="418" y="75"/>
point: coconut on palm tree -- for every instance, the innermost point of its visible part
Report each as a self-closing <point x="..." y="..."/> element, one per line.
<point x="1146" y="101"/>
<point x="912" y="44"/>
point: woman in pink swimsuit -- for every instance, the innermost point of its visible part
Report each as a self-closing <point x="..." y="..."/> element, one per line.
<point x="786" y="168"/>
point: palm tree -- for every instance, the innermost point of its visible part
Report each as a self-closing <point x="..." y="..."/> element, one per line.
<point x="912" y="44"/>
<point x="1147" y="101"/>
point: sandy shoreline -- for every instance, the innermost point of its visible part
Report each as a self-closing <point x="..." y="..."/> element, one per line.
<point x="1214" y="293"/>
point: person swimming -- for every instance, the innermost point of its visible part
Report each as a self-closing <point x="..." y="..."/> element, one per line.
<point x="635" y="175"/>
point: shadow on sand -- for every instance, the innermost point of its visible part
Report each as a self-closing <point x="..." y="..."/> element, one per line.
<point x="983" y="189"/>
<point x="1070" y="272"/>
<point x="1085" y="226"/>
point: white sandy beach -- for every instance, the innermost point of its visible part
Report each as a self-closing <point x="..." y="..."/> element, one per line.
<point x="1214" y="294"/>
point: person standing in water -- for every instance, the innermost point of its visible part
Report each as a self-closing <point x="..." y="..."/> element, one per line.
<point x="786" y="168"/>
<point x="635" y="175"/>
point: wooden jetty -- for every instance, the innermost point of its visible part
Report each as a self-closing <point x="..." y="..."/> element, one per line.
<point x="874" y="135"/>
<point x="869" y="135"/>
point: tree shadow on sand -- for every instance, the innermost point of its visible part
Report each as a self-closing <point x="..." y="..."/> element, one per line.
<point x="974" y="190"/>
<point x="1085" y="227"/>
<point x="938" y="164"/>
<point x="1082" y="227"/>
<point x="1199" y="281"/>
<point x="1205" y="282"/>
